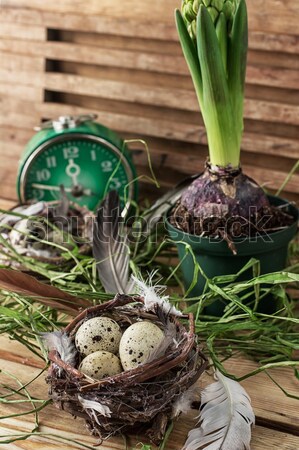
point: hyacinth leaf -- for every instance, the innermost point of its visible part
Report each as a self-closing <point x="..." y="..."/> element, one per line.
<point x="216" y="108"/>
<point x="237" y="59"/>
<point x="221" y="31"/>
<point x="190" y="54"/>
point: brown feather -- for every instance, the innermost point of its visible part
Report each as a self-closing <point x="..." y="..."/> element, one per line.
<point x="21" y="283"/>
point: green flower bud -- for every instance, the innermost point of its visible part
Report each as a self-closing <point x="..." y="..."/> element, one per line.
<point x="192" y="29"/>
<point x="213" y="13"/>
<point x="196" y="5"/>
<point x="218" y="4"/>
<point x="188" y="12"/>
<point x="228" y="9"/>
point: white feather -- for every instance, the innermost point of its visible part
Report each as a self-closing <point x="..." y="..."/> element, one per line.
<point x="152" y="296"/>
<point x="32" y="210"/>
<point x="226" y="418"/>
<point x="169" y="340"/>
<point x="93" y="406"/>
<point x="184" y="403"/>
<point x="62" y="344"/>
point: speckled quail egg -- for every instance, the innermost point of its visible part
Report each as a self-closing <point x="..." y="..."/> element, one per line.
<point x="98" y="333"/>
<point x="100" y="365"/>
<point x="138" y="342"/>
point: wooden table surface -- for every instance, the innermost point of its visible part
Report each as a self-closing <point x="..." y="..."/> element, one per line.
<point x="277" y="415"/>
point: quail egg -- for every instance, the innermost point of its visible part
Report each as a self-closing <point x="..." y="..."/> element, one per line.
<point x="98" y="333"/>
<point x="138" y="342"/>
<point x="100" y="365"/>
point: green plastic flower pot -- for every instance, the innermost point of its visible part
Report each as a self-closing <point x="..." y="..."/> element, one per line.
<point x="215" y="258"/>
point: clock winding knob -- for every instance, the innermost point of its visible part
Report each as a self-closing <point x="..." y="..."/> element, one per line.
<point x="66" y="122"/>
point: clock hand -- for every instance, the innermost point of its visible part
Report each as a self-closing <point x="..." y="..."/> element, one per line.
<point x="74" y="190"/>
<point x="73" y="170"/>
<point x="47" y="187"/>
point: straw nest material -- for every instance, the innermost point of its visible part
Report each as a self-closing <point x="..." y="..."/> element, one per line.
<point x="137" y="400"/>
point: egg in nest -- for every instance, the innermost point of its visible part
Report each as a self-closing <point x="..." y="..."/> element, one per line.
<point x="100" y="365"/>
<point x="138" y="342"/>
<point x="98" y="333"/>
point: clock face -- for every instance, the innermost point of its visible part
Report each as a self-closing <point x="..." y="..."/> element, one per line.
<point x="87" y="166"/>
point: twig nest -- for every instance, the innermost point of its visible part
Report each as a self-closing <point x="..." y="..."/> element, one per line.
<point x="98" y="333"/>
<point x="114" y="398"/>
<point x="138" y="342"/>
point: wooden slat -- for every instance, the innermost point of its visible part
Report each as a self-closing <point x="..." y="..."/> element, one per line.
<point x="84" y="54"/>
<point x="133" y="9"/>
<point x="275" y="41"/>
<point x="139" y="54"/>
<point x="166" y="129"/>
<point x="144" y="126"/>
<point x="270" y="16"/>
<point x="99" y="23"/>
<point x="12" y="62"/>
<point x="20" y="31"/>
<point x="273" y="77"/>
<point x="155" y="62"/>
<point x="157" y="96"/>
<point x="182" y="159"/>
<point x="21" y="92"/>
<point x="146" y="94"/>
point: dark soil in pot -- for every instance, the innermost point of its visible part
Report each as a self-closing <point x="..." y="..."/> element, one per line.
<point x="228" y="206"/>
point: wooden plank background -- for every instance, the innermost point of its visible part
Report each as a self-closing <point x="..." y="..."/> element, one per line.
<point x="122" y="60"/>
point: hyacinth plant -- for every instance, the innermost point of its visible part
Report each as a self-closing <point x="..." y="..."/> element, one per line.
<point x="214" y="39"/>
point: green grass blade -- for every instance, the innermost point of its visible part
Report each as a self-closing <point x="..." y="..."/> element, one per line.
<point x="190" y="54"/>
<point x="237" y="59"/>
<point x="217" y="110"/>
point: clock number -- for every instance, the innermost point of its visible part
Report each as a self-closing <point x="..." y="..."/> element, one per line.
<point x="115" y="183"/>
<point x="43" y="175"/>
<point x="106" y="166"/>
<point x="51" y="162"/>
<point x="93" y="155"/>
<point x="38" y="194"/>
<point x="71" y="152"/>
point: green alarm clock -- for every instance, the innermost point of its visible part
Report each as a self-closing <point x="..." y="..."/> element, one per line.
<point x="81" y="155"/>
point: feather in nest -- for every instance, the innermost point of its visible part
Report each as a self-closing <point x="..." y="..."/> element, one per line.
<point x="92" y="406"/>
<point x="152" y="295"/>
<point x="155" y="301"/>
<point x="169" y="340"/>
<point x="62" y="343"/>
<point x="184" y="402"/>
<point x="226" y="418"/>
<point x="60" y="211"/>
<point x="110" y="247"/>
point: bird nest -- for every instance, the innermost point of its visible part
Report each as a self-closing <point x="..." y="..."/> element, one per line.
<point x="140" y="400"/>
<point x="45" y="232"/>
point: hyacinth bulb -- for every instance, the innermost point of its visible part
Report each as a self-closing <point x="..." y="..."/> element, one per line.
<point x="224" y="193"/>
